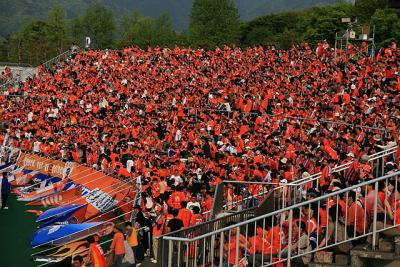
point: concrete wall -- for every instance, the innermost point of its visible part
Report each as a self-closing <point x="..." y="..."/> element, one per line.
<point x="23" y="72"/>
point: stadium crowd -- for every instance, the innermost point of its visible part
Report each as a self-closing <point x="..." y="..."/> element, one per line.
<point x="185" y="119"/>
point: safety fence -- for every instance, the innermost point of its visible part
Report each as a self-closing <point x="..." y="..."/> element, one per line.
<point x="241" y="195"/>
<point x="9" y="83"/>
<point x="55" y="60"/>
<point x="337" y="221"/>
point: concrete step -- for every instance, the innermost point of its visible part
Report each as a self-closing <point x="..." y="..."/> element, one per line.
<point x="374" y="254"/>
<point x="314" y="264"/>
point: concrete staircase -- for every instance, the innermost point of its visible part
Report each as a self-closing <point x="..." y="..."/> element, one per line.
<point x="387" y="254"/>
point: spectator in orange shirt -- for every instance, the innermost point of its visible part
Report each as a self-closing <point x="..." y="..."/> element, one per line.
<point x="96" y="256"/>
<point x="356" y="221"/>
<point x="117" y="246"/>
<point x="196" y="218"/>
<point x="327" y="176"/>
<point x="185" y="214"/>
<point x="175" y="199"/>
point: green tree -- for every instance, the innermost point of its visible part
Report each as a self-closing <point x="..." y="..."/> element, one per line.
<point x="76" y="30"/>
<point x="144" y="31"/>
<point x="387" y="26"/>
<point x="364" y="9"/>
<point x="166" y="36"/>
<point x="98" y="23"/>
<point x="30" y="44"/>
<point x="56" y="30"/>
<point x="311" y="25"/>
<point x="214" y="23"/>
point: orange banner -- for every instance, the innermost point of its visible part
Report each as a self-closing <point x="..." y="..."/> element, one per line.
<point x="46" y="166"/>
<point x="102" y="192"/>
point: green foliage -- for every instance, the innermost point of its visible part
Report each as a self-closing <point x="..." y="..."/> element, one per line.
<point x="387" y="25"/>
<point x="98" y="23"/>
<point x="56" y="30"/>
<point x="214" y="22"/>
<point x="13" y="12"/>
<point x="312" y="25"/>
<point x="38" y="40"/>
<point x="364" y="9"/>
<point x="31" y="43"/>
<point x="145" y="31"/>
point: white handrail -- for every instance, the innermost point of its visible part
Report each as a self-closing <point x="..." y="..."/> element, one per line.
<point x="281" y="211"/>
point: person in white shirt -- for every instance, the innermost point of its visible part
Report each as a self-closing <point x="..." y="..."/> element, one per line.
<point x="129" y="165"/>
<point x="193" y="203"/>
<point x="176" y="178"/>
<point x="36" y="147"/>
<point x="178" y="135"/>
<point x="30" y="116"/>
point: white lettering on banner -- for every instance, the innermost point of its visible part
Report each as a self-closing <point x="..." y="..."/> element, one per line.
<point x="53" y="229"/>
<point x="57" y="169"/>
<point x="29" y="162"/>
<point x="100" y="200"/>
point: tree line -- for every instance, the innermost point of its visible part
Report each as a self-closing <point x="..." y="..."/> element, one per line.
<point x="212" y="23"/>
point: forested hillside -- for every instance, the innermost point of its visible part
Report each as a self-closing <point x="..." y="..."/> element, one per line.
<point x="14" y="12"/>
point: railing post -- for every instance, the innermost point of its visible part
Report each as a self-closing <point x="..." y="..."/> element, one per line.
<point x="237" y="246"/>
<point x="375" y="216"/>
<point x="170" y="249"/>
<point x="290" y="237"/>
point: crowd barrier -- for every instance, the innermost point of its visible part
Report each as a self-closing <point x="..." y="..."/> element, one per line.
<point x="50" y="63"/>
<point x="238" y="197"/>
<point x="231" y="245"/>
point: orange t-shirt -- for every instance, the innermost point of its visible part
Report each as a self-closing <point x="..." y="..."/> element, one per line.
<point x="118" y="244"/>
<point x="97" y="256"/>
<point x="356" y="216"/>
<point x="185" y="215"/>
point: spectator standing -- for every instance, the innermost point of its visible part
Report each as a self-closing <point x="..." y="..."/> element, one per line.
<point x="175" y="224"/>
<point x="5" y="191"/>
<point x="131" y="237"/>
<point x="158" y="229"/>
<point x="118" y="247"/>
<point x="96" y="256"/>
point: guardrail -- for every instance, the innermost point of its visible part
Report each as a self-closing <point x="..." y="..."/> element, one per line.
<point x="237" y="196"/>
<point x="293" y="233"/>
<point x="9" y="83"/>
<point x="49" y="63"/>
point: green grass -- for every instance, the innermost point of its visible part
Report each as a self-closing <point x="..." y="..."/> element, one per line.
<point x="16" y="229"/>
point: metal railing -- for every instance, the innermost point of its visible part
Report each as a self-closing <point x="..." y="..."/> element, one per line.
<point x="9" y="83"/>
<point x="377" y="162"/>
<point x="336" y="221"/>
<point x="239" y="196"/>
<point x="55" y="60"/>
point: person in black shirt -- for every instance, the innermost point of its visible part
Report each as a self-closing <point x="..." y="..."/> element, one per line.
<point x="175" y="224"/>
